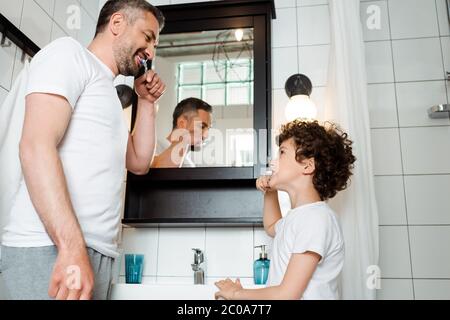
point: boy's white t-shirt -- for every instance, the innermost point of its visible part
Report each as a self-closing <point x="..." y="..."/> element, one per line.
<point x="312" y="227"/>
<point x="93" y="150"/>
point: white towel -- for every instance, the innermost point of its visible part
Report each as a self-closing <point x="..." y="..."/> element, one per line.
<point x="12" y="113"/>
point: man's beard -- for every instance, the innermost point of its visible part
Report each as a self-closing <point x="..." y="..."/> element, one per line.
<point x="126" y="64"/>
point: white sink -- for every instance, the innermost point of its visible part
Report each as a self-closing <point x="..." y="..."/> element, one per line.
<point x="122" y="291"/>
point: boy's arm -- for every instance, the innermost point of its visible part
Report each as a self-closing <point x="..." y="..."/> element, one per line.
<point x="272" y="212"/>
<point x="292" y="287"/>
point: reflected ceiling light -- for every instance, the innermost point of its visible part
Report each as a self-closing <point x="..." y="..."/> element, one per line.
<point x="239" y="34"/>
<point x="298" y="88"/>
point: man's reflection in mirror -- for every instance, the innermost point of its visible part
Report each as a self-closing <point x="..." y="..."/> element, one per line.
<point x="192" y="119"/>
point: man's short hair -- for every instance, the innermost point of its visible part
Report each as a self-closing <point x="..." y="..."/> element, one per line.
<point x="131" y="10"/>
<point x="189" y="105"/>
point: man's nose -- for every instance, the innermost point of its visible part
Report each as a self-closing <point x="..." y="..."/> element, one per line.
<point x="150" y="53"/>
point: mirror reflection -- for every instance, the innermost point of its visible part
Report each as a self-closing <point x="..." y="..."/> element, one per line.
<point x="205" y="118"/>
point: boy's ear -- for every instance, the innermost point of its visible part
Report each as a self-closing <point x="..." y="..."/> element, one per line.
<point x="309" y="166"/>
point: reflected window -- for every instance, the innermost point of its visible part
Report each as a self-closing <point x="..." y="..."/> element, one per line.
<point x="221" y="83"/>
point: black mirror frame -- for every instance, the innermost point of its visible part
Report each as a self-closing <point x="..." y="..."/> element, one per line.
<point x="213" y="15"/>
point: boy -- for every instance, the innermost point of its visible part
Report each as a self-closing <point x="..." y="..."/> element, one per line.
<point x="314" y="163"/>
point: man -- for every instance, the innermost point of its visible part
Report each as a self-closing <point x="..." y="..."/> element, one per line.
<point x="191" y="124"/>
<point x="61" y="239"/>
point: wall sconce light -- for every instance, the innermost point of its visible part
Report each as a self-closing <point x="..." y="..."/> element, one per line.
<point x="298" y="88"/>
<point x="239" y="34"/>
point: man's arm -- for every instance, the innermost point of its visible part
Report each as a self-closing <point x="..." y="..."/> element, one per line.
<point x="141" y="143"/>
<point x="46" y="120"/>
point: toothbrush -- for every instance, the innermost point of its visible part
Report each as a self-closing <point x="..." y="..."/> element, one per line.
<point x="144" y="63"/>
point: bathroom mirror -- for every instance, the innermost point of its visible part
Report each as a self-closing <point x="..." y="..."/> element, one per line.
<point x="215" y="66"/>
<point x="219" y="52"/>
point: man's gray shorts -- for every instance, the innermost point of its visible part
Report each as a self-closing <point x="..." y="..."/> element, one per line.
<point x="26" y="272"/>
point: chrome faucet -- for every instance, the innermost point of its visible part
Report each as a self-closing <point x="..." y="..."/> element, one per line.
<point x="199" y="273"/>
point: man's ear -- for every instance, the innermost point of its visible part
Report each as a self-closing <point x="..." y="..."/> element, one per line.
<point x="117" y="23"/>
<point x="309" y="166"/>
<point x="181" y="123"/>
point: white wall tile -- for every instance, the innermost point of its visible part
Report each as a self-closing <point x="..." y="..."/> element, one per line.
<point x="390" y="200"/>
<point x="7" y="55"/>
<point x="302" y="3"/>
<point x="382" y="105"/>
<point x="3" y="94"/>
<point x="386" y="152"/>
<point x="429" y="251"/>
<point x="427" y="199"/>
<point x="413" y="18"/>
<point x="394" y="252"/>
<point x="260" y="237"/>
<point x="62" y="16"/>
<point x="414" y="99"/>
<point x="379" y="62"/>
<point x="445" y="41"/>
<point x="12" y="10"/>
<point x="175" y="254"/>
<point x="395" y="289"/>
<point x="18" y="64"/>
<point x="175" y="280"/>
<point x="284" y="4"/>
<point x="313" y="25"/>
<point x="426" y="150"/>
<point x="284" y="64"/>
<point x="375" y="27"/>
<point x="36" y="23"/>
<point x="47" y="5"/>
<point x="444" y="26"/>
<point x="418" y="59"/>
<point x="92" y="7"/>
<point x="86" y="34"/>
<point x="279" y="102"/>
<point x="57" y="32"/>
<point x="286" y="20"/>
<point x="229" y="252"/>
<point x="432" y="289"/>
<point x="313" y="61"/>
<point x="141" y="241"/>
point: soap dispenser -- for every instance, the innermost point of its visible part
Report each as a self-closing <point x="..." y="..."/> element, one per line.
<point x="261" y="267"/>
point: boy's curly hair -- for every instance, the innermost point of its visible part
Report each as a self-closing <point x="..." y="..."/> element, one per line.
<point x="330" y="148"/>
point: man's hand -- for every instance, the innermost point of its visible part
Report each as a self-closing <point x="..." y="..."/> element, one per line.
<point x="150" y="86"/>
<point x="72" y="277"/>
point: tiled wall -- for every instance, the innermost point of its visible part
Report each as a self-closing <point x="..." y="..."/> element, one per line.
<point x="406" y="59"/>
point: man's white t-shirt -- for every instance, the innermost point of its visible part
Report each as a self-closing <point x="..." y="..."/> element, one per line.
<point x="93" y="150"/>
<point x="312" y="227"/>
<point x="163" y="144"/>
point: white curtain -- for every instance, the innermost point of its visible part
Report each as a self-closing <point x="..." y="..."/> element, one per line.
<point x="346" y="104"/>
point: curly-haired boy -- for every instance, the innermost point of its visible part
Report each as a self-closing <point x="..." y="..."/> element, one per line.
<point x="315" y="162"/>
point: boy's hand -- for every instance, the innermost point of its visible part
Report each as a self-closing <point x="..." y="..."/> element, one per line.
<point x="263" y="185"/>
<point x="228" y="289"/>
